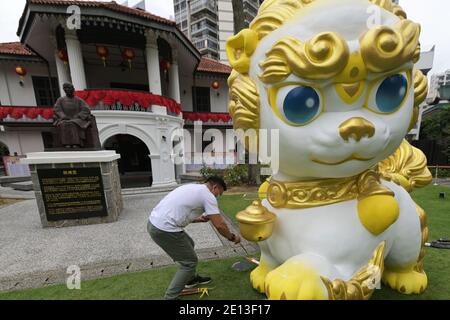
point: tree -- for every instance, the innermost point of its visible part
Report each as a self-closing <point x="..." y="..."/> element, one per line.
<point x="254" y="170"/>
<point x="437" y="127"/>
<point x="238" y="16"/>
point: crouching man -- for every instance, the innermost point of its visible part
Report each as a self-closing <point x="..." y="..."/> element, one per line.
<point x="192" y="203"/>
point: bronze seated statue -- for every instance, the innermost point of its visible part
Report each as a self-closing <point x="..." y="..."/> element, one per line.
<point x="75" y="125"/>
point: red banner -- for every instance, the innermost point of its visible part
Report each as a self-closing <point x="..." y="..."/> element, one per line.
<point x="207" y="117"/>
<point x="93" y="99"/>
<point x="30" y="113"/>
<point x="127" y="98"/>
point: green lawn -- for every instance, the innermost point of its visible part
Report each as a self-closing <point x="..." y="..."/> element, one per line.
<point x="231" y="285"/>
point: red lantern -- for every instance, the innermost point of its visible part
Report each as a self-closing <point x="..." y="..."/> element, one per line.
<point x="129" y="55"/>
<point x="165" y="65"/>
<point x="103" y="52"/>
<point x="21" y="71"/>
<point x="215" y="85"/>
<point x="63" y="56"/>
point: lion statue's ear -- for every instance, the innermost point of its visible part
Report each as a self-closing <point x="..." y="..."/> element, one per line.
<point x="240" y="48"/>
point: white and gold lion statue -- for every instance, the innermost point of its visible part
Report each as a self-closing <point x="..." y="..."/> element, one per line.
<point x="341" y="88"/>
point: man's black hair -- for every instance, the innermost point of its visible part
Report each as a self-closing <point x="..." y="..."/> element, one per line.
<point x="217" y="181"/>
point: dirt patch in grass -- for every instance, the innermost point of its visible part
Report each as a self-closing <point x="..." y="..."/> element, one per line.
<point x="240" y="190"/>
<point x="8" y="202"/>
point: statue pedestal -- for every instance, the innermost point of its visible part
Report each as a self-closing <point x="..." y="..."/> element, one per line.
<point x="76" y="188"/>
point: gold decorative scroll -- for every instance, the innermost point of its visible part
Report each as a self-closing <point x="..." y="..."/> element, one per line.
<point x="407" y="167"/>
<point x="363" y="284"/>
<point x="322" y="57"/>
<point x="384" y="48"/>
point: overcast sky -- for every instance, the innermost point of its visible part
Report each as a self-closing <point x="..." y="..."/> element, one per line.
<point x="432" y="14"/>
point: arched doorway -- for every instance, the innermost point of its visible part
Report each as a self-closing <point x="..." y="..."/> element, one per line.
<point x="135" y="166"/>
<point x="4" y="151"/>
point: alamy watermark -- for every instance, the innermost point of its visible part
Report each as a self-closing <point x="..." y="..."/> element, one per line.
<point x="374" y="18"/>
<point x="73" y="282"/>
<point x="374" y="280"/>
<point x="226" y="147"/>
<point x="74" y="20"/>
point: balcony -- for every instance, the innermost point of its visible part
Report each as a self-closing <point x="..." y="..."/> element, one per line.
<point x="212" y="21"/>
<point x="206" y="44"/>
<point x="208" y="38"/>
<point x="199" y="5"/>
<point x="98" y="100"/>
<point x="203" y="26"/>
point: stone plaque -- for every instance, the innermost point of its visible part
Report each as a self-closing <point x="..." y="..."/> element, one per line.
<point x="75" y="193"/>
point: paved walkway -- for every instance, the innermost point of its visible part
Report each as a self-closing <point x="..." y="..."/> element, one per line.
<point x="444" y="182"/>
<point x="9" y="193"/>
<point x="31" y="256"/>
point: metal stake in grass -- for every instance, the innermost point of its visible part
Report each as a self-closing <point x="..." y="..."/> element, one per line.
<point x="247" y="264"/>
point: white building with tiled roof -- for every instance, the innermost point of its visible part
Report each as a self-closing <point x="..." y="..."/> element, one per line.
<point x="138" y="72"/>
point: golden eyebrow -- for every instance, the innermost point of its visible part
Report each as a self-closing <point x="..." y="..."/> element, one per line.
<point x="320" y="58"/>
<point x="384" y="48"/>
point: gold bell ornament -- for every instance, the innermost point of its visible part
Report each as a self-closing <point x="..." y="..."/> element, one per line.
<point x="256" y="222"/>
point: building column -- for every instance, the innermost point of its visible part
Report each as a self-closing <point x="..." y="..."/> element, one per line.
<point x="156" y="169"/>
<point x="174" y="78"/>
<point x="5" y="93"/>
<point x="75" y="60"/>
<point x="63" y="73"/>
<point x="152" y="56"/>
<point x="163" y="171"/>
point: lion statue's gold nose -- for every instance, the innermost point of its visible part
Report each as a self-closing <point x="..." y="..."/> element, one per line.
<point x="357" y="128"/>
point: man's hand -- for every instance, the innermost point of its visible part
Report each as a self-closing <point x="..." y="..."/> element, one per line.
<point x="219" y="223"/>
<point x="201" y="219"/>
<point x="237" y="239"/>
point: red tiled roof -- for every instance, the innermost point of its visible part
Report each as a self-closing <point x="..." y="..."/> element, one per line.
<point x="15" y="48"/>
<point x="213" y="66"/>
<point x="112" y="5"/>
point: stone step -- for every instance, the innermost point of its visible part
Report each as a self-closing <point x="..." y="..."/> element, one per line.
<point x="22" y="186"/>
<point x="8" y="180"/>
<point x="192" y="177"/>
<point x="8" y="193"/>
<point x="149" y="190"/>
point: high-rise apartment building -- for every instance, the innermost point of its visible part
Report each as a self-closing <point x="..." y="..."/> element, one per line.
<point x="211" y="23"/>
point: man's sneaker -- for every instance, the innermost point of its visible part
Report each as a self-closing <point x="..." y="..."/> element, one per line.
<point x="197" y="281"/>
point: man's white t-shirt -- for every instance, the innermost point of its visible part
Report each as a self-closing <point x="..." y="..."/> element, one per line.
<point x="184" y="204"/>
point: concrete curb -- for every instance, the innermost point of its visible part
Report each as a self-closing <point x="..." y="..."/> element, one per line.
<point x="105" y="269"/>
<point x="108" y="269"/>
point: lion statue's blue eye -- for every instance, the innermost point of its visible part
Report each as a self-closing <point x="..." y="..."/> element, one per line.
<point x="391" y="93"/>
<point x="301" y="105"/>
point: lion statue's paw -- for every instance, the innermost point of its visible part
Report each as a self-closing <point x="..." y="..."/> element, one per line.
<point x="258" y="276"/>
<point x="294" y="280"/>
<point x="406" y="282"/>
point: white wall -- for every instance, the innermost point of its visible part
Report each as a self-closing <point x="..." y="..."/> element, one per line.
<point x="219" y="103"/>
<point x="186" y="84"/>
<point x="5" y="95"/>
<point x="226" y="26"/>
<point x="99" y="77"/>
<point x="22" y="142"/>
<point x="19" y="96"/>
